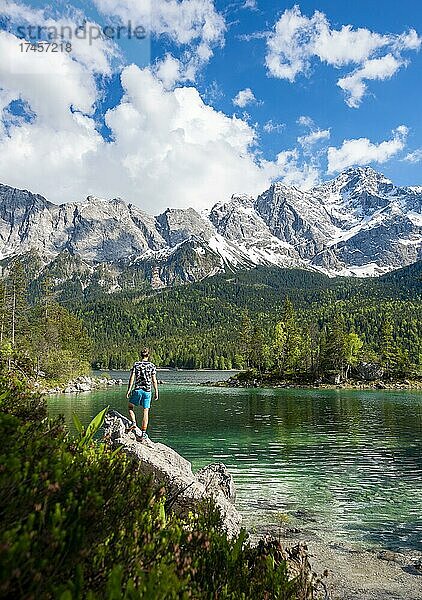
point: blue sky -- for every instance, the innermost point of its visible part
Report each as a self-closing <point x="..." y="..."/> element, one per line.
<point x="320" y="87"/>
<point x="387" y="105"/>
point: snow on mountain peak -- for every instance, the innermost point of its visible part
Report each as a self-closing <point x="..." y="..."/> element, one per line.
<point x="356" y="180"/>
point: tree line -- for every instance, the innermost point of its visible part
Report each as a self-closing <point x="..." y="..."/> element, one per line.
<point x="298" y="349"/>
<point x="247" y="321"/>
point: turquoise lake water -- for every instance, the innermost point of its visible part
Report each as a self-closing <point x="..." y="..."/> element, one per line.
<point x="345" y="463"/>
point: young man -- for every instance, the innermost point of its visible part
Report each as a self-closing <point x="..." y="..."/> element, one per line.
<point x="143" y="375"/>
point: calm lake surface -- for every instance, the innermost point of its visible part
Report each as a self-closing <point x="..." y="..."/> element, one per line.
<point x="347" y="464"/>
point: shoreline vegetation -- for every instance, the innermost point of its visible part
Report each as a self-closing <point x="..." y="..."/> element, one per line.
<point x="255" y="380"/>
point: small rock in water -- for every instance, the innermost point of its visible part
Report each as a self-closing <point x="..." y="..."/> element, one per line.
<point x="305" y="516"/>
<point x="291" y="531"/>
<point x="83" y="387"/>
<point x="418" y="565"/>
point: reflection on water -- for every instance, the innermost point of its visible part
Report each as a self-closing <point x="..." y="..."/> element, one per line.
<point x="348" y="461"/>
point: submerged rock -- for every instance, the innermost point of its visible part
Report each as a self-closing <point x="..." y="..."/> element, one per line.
<point x="185" y="490"/>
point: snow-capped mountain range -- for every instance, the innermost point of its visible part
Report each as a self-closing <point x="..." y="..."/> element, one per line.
<point x="359" y="223"/>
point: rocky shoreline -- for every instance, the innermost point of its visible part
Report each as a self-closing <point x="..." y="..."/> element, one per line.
<point x="349" y="570"/>
<point x="184" y="488"/>
<point x="355" y="385"/>
<point x="187" y="490"/>
<point x="353" y="572"/>
<point x="84" y="383"/>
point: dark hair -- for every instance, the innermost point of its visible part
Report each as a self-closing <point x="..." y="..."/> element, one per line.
<point x="145" y="352"/>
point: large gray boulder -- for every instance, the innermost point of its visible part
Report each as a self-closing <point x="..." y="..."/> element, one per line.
<point x="216" y="478"/>
<point x="185" y="490"/>
<point x="369" y="371"/>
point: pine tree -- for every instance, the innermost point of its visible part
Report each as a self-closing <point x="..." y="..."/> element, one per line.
<point x="17" y="306"/>
<point x="333" y="344"/>
<point x="288" y="343"/>
<point x="389" y="351"/>
<point x="256" y="356"/>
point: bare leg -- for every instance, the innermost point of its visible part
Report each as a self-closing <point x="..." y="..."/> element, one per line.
<point x="145" y="419"/>
<point x="132" y="413"/>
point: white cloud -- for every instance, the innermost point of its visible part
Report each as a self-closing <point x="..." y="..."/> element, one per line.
<point x="255" y="35"/>
<point x="376" y="68"/>
<point x="408" y="41"/>
<point x="362" y="151"/>
<point x="244" y="97"/>
<point x="169" y="71"/>
<point x="306" y="141"/>
<point x="97" y="55"/>
<point x="414" y="157"/>
<point x="288" y="169"/>
<point x="167" y="148"/>
<point x="297" y="39"/>
<point x="213" y="92"/>
<point x="33" y="78"/>
<point x="270" y="126"/>
<point x="183" y="21"/>
<point x="306" y="121"/>
<point x="250" y="4"/>
<point x="315" y="133"/>
<point x="195" y="25"/>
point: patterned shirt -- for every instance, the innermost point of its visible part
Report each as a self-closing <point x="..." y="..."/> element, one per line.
<point x="143" y="370"/>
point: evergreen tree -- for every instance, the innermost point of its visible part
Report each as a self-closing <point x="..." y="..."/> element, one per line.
<point x="257" y="356"/>
<point x="333" y="346"/>
<point x="288" y="344"/>
<point x="16" y="303"/>
<point x="389" y="351"/>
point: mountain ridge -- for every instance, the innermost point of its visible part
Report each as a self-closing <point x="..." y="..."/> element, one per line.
<point x="358" y="223"/>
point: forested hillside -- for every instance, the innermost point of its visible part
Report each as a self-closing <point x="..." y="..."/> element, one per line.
<point x="293" y="323"/>
<point x="231" y="320"/>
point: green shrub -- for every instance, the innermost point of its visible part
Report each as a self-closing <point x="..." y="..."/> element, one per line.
<point x="247" y="376"/>
<point x="81" y="521"/>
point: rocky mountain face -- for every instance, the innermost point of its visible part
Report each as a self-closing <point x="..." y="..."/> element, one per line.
<point x="359" y="223"/>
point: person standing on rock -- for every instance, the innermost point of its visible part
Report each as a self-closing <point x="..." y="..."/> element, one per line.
<point x="143" y="377"/>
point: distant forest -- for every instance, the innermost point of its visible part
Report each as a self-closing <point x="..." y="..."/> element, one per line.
<point x="267" y="318"/>
<point x="291" y="322"/>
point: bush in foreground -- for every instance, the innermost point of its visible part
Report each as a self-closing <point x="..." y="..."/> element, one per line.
<point x="82" y="522"/>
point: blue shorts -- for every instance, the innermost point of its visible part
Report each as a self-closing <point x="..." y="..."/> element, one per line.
<point x="141" y="398"/>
